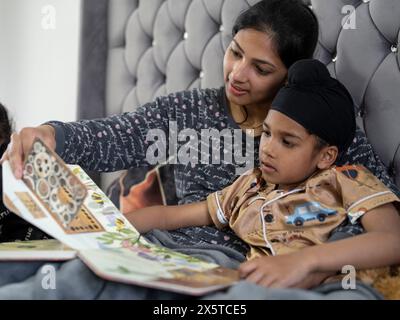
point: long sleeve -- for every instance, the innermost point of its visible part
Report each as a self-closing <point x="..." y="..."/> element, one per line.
<point x="361" y="152"/>
<point x="117" y="142"/>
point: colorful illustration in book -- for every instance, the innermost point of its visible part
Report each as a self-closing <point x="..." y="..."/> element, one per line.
<point x="65" y="203"/>
<point x="58" y="189"/>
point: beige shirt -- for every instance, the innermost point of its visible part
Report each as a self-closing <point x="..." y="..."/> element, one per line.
<point x="277" y="222"/>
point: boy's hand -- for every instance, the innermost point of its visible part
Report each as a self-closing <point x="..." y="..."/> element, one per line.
<point x="21" y="143"/>
<point x="284" y="271"/>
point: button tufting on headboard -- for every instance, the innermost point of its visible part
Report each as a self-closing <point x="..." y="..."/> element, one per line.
<point x="161" y="46"/>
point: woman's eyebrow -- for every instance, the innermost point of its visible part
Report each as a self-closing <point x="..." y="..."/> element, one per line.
<point x="260" y="61"/>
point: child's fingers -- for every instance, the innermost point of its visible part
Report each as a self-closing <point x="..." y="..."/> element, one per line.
<point x="255" y="277"/>
<point x="269" y="282"/>
<point x="246" y="267"/>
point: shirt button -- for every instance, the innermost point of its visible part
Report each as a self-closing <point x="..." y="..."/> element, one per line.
<point x="269" y="218"/>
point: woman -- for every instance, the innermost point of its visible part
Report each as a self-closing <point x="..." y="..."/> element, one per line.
<point x="255" y="66"/>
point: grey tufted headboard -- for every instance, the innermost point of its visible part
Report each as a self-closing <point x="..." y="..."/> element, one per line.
<point x="154" y="47"/>
<point x="367" y="61"/>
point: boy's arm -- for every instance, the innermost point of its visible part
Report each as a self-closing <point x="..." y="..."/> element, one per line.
<point x="379" y="246"/>
<point x="170" y="217"/>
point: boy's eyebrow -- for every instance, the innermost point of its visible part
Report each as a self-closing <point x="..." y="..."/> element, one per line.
<point x="284" y="133"/>
<point x="255" y="60"/>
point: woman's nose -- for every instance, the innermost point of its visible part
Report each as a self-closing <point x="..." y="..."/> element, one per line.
<point x="239" y="72"/>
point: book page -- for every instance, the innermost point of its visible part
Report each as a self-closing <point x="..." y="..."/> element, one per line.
<point x="103" y="237"/>
<point x="158" y="267"/>
<point x="36" y="250"/>
<point x="46" y="200"/>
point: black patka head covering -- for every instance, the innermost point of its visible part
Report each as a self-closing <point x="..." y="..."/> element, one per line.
<point x="318" y="102"/>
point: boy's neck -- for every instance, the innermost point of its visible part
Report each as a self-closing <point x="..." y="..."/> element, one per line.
<point x="291" y="186"/>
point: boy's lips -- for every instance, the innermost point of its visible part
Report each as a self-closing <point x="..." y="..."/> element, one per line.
<point x="268" y="168"/>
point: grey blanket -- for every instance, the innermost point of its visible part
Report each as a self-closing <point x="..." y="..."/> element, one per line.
<point x="74" y="280"/>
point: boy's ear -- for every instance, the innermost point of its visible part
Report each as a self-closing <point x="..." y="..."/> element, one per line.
<point x="327" y="157"/>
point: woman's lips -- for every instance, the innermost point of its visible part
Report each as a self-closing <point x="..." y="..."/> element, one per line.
<point x="267" y="168"/>
<point x="236" y="91"/>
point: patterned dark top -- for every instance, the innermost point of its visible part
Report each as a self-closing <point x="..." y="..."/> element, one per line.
<point x="14" y="228"/>
<point x="119" y="142"/>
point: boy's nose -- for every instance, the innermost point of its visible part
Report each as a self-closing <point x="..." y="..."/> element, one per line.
<point x="268" y="148"/>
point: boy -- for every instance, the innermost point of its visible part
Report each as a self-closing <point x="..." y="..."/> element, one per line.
<point x="286" y="209"/>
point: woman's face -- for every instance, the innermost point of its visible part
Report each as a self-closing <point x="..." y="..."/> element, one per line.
<point x="253" y="70"/>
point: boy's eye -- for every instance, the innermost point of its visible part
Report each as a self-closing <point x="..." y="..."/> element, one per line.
<point x="267" y="133"/>
<point x="235" y="53"/>
<point x="287" y="143"/>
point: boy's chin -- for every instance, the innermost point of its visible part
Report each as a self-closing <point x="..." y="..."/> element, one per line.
<point x="271" y="179"/>
<point x="279" y="182"/>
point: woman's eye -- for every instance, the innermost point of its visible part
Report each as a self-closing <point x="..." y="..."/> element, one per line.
<point x="262" y="71"/>
<point x="267" y="133"/>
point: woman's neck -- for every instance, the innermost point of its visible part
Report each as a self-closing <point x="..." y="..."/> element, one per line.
<point x="249" y="117"/>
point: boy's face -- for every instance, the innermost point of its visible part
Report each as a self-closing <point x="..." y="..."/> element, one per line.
<point x="288" y="153"/>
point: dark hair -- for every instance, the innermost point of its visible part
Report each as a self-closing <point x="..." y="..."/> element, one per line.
<point x="320" y="143"/>
<point x="292" y="25"/>
<point x="5" y="129"/>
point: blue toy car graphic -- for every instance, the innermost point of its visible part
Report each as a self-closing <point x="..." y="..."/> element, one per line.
<point x="307" y="212"/>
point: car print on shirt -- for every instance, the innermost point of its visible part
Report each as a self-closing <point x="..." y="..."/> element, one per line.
<point x="307" y="212"/>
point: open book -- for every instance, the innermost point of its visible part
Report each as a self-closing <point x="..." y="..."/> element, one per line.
<point x="50" y="250"/>
<point x="65" y="203"/>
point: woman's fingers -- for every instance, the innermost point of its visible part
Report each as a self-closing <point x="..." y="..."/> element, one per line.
<point x="21" y="143"/>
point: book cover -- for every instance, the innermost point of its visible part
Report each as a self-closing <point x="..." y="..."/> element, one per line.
<point x="65" y="203"/>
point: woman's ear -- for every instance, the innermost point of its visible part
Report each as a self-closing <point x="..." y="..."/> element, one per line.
<point x="327" y="157"/>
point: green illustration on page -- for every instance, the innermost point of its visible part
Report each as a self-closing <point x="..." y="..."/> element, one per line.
<point x="64" y="202"/>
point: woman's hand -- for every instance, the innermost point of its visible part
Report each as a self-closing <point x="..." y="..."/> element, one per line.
<point x="284" y="271"/>
<point x="21" y="143"/>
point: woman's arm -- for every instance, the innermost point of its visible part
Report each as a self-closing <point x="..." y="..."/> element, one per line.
<point x="379" y="246"/>
<point x="170" y="217"/>
<point x="362" y="152"/>
<point x="113" y="143"/>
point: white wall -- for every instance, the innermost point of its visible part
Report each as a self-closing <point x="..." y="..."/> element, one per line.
<point x="39" y="46"/>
